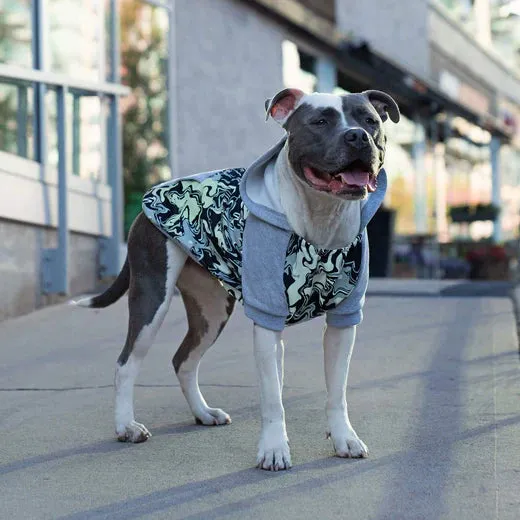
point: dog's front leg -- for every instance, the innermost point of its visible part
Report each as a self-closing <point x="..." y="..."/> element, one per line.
<point x="273" y="447"/>
<point x="338" y="345"/>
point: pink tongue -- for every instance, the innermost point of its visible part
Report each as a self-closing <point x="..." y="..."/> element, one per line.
<point x="355" y="178"/>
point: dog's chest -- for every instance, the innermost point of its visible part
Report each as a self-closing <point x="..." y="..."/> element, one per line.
<point x="206" y="216"/>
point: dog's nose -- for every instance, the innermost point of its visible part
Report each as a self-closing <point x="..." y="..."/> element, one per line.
<point x="356" y="137"/>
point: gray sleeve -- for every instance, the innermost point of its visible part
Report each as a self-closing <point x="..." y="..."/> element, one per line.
<point x="263" y="262"/>
<point x="350" y="311"/>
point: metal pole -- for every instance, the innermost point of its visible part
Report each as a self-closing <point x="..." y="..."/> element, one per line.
<point x="63" y="220"/>
<point x="40" y="143"/>
<point x="114" y="41"/>
<point x="56" y="261"/>
<point x="172" y="94"/>
<point x="76" y="134"/>
<point x="494" y="149"/>
<point x="418" y="152"/>
<point x="110" y="247"/>
<point x="439" y="206"/>
<point x="21" y="121"/>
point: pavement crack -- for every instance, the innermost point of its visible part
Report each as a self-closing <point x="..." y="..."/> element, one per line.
<point x="64" y="389"/>
<point x="98" y="387"/>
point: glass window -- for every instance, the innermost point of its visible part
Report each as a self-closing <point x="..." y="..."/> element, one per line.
<point x="16" y="119"/>
<point x="85" y="134"/>
<point x="74" y="32"/>
<point x="51" y="130"/>
<point x="15" y="32"/>
<point x="298" y="68"/>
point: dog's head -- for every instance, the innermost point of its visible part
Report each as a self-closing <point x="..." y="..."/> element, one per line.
<point x="336" y="143"/>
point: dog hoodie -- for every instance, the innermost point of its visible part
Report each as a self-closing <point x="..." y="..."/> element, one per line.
<point x="227" y="222"/>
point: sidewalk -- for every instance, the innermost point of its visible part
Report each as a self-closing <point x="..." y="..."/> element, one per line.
<point x="434" y="392"/>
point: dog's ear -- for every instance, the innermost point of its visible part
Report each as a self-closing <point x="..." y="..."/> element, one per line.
<point x="384" y="104"/>
<point x="283" y="104"/>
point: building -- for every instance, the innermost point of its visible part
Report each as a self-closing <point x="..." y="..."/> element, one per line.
<point x="60" y="152"/>
<point x="92" y="91"/>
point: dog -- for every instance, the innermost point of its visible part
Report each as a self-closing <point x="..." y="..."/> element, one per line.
<point x="286" y="236"/>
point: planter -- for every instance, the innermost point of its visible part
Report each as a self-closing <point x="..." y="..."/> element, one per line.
<point x="476" y="213"/>
<point x="459" y="213"/>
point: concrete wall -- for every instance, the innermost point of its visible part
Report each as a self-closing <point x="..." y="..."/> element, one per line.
<point x="228" y="62"/>
<point x="28" y="220"/>
<point x="395" y="28"/>
<point x="20" y="250"/>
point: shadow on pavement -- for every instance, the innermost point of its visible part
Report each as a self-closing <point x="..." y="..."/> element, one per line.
<point x="178" y="495"/>
<point x="462" y="290"/>
<point x="109" y="446"/>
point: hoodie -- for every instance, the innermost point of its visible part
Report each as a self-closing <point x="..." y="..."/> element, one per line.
<point x="230" y="222"/>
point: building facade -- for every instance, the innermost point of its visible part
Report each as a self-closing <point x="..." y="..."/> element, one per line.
<point x="94" y="93"/>
<point x="60" y="152"/>
<point x="458" y="91"/>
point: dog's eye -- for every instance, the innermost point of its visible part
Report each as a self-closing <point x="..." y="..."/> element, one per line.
<point x="320" y="122"/>
<point x="370" y="120"/>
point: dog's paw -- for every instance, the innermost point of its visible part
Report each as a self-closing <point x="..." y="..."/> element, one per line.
<point x="273" y="450"/>
<point x="347" y="444"/>
<point x="133" y="432"/>
<point x="212" y="417"/>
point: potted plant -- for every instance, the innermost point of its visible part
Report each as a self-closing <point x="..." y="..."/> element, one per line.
<point x="459" y="213"/>
<point x="466" y="213"/>
<point x="486" y="212"/>
<point x="488" y="262"/>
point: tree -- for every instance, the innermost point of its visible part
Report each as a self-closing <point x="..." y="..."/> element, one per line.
<point x="144" y="70"/>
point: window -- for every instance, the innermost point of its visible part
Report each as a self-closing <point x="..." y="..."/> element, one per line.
<point x="74" y="36"/>
<point x="15" y="32"/>
<point x="84" y="132"/>
<point x="298" y="68"/>
<point x="16" y="119"/>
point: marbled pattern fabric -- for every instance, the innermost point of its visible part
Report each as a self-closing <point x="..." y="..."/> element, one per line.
<point x="206" y="216"/>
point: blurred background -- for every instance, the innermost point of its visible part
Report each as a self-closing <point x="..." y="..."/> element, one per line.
<point x="100" y="99"/>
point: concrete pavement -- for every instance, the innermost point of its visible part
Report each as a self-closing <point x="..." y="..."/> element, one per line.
<point x="434" y="392"/>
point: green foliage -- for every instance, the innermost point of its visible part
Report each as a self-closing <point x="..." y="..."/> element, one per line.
<point x="143" y="69"/>
<point x="466" y="213"/>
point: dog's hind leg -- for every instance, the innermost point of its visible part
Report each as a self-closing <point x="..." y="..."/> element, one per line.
<point x="208" y="308"/>
<point x="155" y="263"/>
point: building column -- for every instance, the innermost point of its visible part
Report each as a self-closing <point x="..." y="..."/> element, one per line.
<point x="326" y="75"/>
<point x="418" y="155"/>
<point x="440" y="179"/>
<point x="482" y="13"/>
<point x="494" y="149"/>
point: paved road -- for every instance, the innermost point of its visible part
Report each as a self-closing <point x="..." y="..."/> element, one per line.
<point x="434" y="392"/>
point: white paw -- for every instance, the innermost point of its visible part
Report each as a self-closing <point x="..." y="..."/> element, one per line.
<point x="348" y="444"/>
<point x="133" y="432"/>
<point x="212" y="417"/>
<point x="273" y="449"/>
<point x="345" y="440"/>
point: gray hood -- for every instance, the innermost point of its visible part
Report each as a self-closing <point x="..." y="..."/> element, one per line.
<point x="253" y="181"/>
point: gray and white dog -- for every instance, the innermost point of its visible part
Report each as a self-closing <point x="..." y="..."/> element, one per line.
<point x="321" y="179"/>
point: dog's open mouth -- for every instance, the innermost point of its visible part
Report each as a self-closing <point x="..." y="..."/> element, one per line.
<point x="356" y="178"/>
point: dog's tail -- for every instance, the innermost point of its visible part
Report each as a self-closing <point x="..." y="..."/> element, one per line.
<point x="111" y="295"/>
